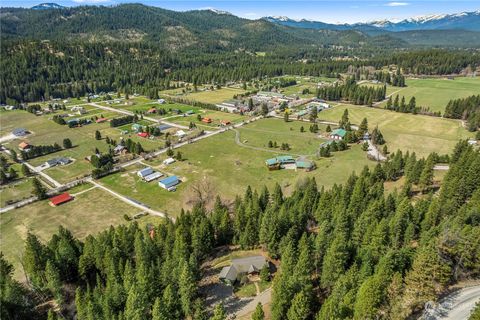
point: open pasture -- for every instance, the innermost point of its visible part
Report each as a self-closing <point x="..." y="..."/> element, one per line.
<point x="89" y="213"/>
<point x="435" y="93"/>
<point x="422" y="134"/>
<point x="212" y="97"/>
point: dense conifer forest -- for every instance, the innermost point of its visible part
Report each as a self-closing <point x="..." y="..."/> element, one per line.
<point x="351" y="252"/>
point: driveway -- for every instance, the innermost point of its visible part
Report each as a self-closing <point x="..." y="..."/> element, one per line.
<point x="456" y="306"/>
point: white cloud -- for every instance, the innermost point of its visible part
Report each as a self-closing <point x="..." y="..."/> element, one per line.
<point x="397" y="4"/>
<point x="251" y="14"/>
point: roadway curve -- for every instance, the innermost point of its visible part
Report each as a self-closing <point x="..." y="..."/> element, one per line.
<point x="456" y="306"/>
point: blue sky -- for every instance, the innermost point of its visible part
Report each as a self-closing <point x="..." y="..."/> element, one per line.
<point x="339" y="11"/>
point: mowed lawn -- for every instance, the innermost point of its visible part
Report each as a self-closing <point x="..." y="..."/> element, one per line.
<point x="259" y="133"/>
<point x="18" y="190"/>
<point x="422" y="134"/>
<point x="89" y="213"/>
<point x="213" y="97"/>
<point x="435" y="93"/>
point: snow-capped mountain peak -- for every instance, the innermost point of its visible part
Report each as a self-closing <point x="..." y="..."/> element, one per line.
<point x="218" y="11"/>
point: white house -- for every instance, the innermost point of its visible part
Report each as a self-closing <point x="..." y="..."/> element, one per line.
<point x="180" y="133"/>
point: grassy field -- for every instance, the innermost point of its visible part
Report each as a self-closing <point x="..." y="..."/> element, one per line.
<point x="212" y="97"/>
<point x="259" y="133"/>
<point x="230" y="168"/>
<point x="16" y="191"/>
<point x="90" y="213"/>
<point x="45" y="131"/>
<point x="435" y="93"/>
<point x="422" y="134"/>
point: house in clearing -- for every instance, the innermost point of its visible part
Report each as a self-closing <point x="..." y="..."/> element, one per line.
<point x="243" y="266"/>
<point x="305" y="164"/>
<point x="100" y="120"/>
<point x="278" y="162"/>
<point x="152" y="110"/>
<point x="57" y="162"/>
<point x="61" y="198"/>
<point x="169" y="183"/>
<point x="143" y="134"/>
<point x="24" y="146"/>
<point x="206" y="120"/>
<point x="168" y="161"/>
<point x="137" y="127"/>
<point x="338" y="134"/>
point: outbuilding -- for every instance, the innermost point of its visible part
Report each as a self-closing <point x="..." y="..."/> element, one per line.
<point x="168" y="161"/>
<point x="24" y="146"/>
<point x="61" y="198"/>
<point x="143" y="134"/>
<point x="19" y="132"/>
<point x="144" y="172"/>
<point x="169" y="182"/>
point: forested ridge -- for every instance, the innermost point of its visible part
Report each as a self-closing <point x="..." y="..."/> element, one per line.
<point x="350" y="252"/>
<point x="32" y="71"/>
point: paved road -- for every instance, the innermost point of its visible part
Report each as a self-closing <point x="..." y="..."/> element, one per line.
<point x="8" y="137"/>
<point x="54" y="182"/>
<point x="456" y="306"/>
<point x="129" y="113"/>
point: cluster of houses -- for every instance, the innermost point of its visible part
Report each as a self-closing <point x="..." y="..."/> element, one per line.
<point x="169" y="183"/>
<point x="288" y="162"/>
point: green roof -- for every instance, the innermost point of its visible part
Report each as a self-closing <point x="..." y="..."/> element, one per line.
<point x="339" y="132"/>
<point x="304" y="164"/>
<point x="271" y="162"/>
<point x="285" y="158"/>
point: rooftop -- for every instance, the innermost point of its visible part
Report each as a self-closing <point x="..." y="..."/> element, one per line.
<point x="339" y="132"/>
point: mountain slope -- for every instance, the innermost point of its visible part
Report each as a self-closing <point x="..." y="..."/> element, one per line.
<point x="174" y="30"/>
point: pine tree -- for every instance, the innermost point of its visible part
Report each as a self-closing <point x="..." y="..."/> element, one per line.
<point x="300" y="308"/>
<point x="426" y="177"/>
<point x="186" y="289"/>
<point x="54" y="282"/>
<point x="25" y="170"/>
<point x="258" y="314"/>
<point x="98" y="135"/>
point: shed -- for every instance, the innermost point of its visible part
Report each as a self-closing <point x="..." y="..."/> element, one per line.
<point x="169" y="182"/>
<point x="118" y="149"/>
<point x="305" y="164"/>
<point x="152" y="110"/>
<point x="153" y="176"/>
<point x="145" y="172"/>
<point x="61" y="198"/>
<point x="207" y="120"/>
<point x="143" y="134"/>
<point x="180" y="133"/>
<point x="100" y="120"/>
<point x="168" y="161"/>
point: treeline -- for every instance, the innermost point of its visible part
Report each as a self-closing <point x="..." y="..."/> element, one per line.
<point x="40" y="70"/>
<point x="38" y="151"/>
<point x="117" y="122"/>
<point x="467" y="109"/>
<point x="351" y="252"/>
<point x="352" y="92"/>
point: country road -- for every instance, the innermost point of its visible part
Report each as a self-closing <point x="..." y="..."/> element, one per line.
<point x="456" y="306"/>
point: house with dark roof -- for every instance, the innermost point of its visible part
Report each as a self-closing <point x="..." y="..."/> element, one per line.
<point x="243" y="266"/>
<point x="57" y="162"/>
<point x="19" y="132"/>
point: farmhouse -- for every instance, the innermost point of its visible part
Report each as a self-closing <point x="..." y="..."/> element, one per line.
<point x="144" y="172"/>
<point x="24" y="146"/>
<point x="305" y="164"/>
<point x="225" y="123"/>
<point x="239" y="267"/>
<point x="119" y="149"/>
<point x="207" y="120"/>
<point x="152" y="110"/>
<point x="278" y="162"/>
<point x="180" y="133"/>
<point x="169" y="183"/>
<point x="57" y="162"/>
<point x="143" y="134"/>
<point x="164" y="127"/>
<point x="61" y="198"/>
<point x="19" y="132"/>
<point x="79" y="110"/>
<point x="338" y="134"/>
<point x="101" y="120"/>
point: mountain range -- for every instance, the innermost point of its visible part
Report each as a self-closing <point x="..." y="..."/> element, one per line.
<point x="459" y="21"/>
<point x="219" y="30"/>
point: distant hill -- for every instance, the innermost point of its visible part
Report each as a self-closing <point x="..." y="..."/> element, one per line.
<point x="464" y="21"/>
<point x="47" y="6"/>
<point x="174" y="30"/>
<point x="205" y="29"/>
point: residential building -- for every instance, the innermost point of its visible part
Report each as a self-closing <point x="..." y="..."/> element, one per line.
<point x="338" y="134"/>
<point x="243" y="266"/>
<point x="57" y="162"/>
<point x="19" y="132"/>
<point x="168" y="161"/>
<point x="24" y="146"/>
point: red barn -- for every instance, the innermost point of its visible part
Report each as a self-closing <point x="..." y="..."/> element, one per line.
<point x="61" y="198"/>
